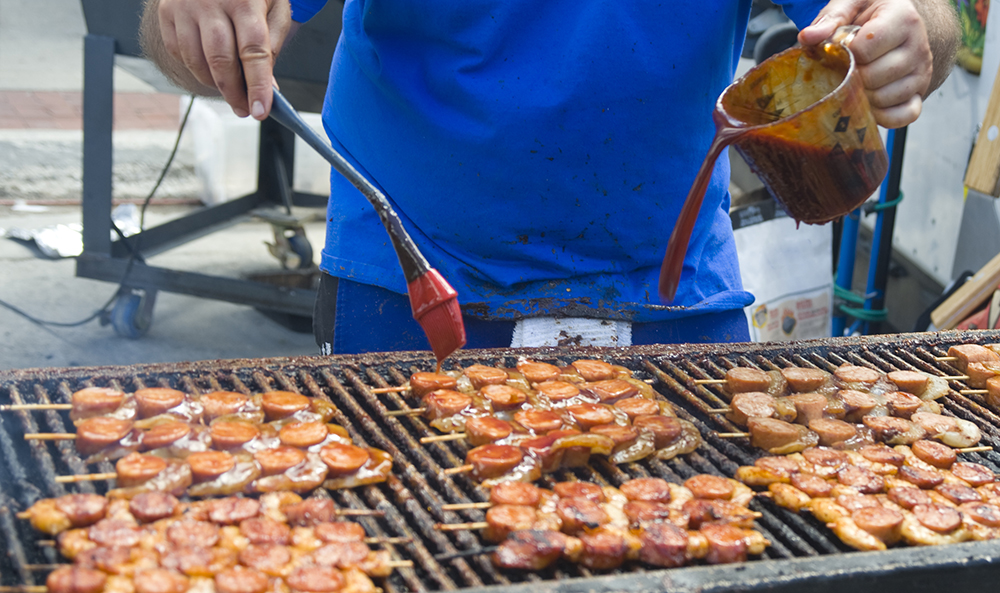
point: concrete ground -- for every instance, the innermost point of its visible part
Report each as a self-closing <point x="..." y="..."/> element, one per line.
<point x="41" y="78"/>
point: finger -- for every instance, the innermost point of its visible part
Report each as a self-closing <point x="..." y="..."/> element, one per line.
<point x="168" y="33"/>
<point x="897" y="92"/>
<point x="888" y="68"/>
<point x="900" y="115"/>
<point x="219" y="42"/>
<point x="190" y="51"/>
<point x="254" y="48"/>
<point x="835" y="14"/>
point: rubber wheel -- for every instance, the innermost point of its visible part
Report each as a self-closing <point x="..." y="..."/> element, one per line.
<point x="777" y="38"/>
<point x="132" y="314"/>
<point x="301" y="246"/>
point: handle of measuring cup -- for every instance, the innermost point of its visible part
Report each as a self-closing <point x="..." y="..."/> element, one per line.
<point x="844" y="34"/>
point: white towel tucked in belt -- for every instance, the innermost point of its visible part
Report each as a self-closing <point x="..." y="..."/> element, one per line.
<point x="570" y="331"/>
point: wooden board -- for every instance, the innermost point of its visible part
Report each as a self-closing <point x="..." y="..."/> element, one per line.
<point x="969" y="297"/>
<point x="983" y="174"/>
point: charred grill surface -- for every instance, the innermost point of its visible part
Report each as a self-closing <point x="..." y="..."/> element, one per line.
<point x="802" y="551"/>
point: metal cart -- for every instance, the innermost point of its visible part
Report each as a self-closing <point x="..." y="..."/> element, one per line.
<point x="302" y="72"/>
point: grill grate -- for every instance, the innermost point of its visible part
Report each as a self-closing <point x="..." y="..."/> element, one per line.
<point x="411" y="499"/>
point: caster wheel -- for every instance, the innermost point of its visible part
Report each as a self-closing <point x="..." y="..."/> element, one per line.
<point x="132" y="314"/>
<point x="300" y="245"/>
<point x="775" y="39"/>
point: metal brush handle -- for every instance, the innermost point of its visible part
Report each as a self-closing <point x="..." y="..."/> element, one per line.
<point x="410" y="259"/>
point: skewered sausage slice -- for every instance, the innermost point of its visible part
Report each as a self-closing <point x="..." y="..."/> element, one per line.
<point x="665" y="429"/>
<point x="515" y="493"/>
<point x="136" y="468"/>
<point x="303" y="434"/>
<point x="635" y="407"/>
<point x="594" y="370"/>
<point x="646" y="489"/>
<point x="98" y="433"/>
<point x="343" y="459"/>
<point x="153" y="401"/>
<point x="539" y="421"/>
<point x="96" y="401"/>
<point x="587" y="490"/>
<point x="75" y="579"/>
<point x="536" y="372"/>
<point x="153" y="506"/>
<point x="223" y="403"/>
<point x="557" y="391"/>
<point x="240" y="579"/>
<point x="164" y="435"/>
<point x="230" y="435"/>
<point x="482" y="375"/>
<point x="423" y="383"/>
<point x="504" y="397"/>
<point x="208" y="465"/>
<point x="82" y="509"/>
<point x="483" y="430"/>
<point x="707" y="486"/>
<point x="803" y="379"/>
<point x="937" y="454"/>
<point x="493" y="461"/>
<point x="281" y="404"/>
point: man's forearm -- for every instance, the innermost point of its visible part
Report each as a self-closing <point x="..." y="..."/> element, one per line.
<point x="943" y="34"/>
<point x="151" y="41"/>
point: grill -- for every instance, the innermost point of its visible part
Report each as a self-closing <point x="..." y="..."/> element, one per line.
<point x="803" y="552"/>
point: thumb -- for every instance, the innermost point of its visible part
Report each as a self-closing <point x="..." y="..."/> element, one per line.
<point x="835" y="14"/>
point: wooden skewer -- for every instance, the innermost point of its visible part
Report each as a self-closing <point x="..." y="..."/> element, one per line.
<point x="466" y="554"/>
<point x="395" y="389"/>
<point x="438" y="438"/>
<point x="86" y="478"/>
<point x="973" y="391"/>
<point x="466" y="506"/>
<point x="388" y="540"/>
<point x="719" y="411"/>
<point x="709" y="381"/>
<point x="946" y="358"/>
<point x="17" y="407"/>
<point x="462" y="469"/>
<point x="399" y="564"/>
<point x="732" y="435"/>
<point x="461" y="526"/>
<point x="956" y="378"/>
<point x="49" y="436"/>
<point x="24" y="589"/>
<point x="358" y="513"/>
<point x="412" y="412"/>
<point x="23" y="515"/>
<point x="974" y="449"/>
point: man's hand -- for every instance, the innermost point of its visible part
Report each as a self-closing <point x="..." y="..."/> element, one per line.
<point x="904" y="50"/>
<point x="219" y="47"/>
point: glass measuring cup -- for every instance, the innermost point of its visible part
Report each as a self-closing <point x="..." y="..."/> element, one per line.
<point x="802" y="122"/>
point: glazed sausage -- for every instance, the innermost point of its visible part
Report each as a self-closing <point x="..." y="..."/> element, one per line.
<point x="902" y="404"/>
<point x="780" y="437"/>
<point x="612" y="390"/>
<point x="909" y="381"/>
<point x="603" y="550"/>
<point x="515" y="493"/>
<point x="312" y="511"/>
<point x="587" y="490"/>
<point x="919" y="477"/>
<point x="109" y="559"/>
<point x="95" y="401"/>
<point x="861" y="479"/>
<point x="966" y="353"/>
<point x="506" y="518"/>
<point x="98" y="433"/>
<point x="315" y="579"/>
<point x="635" y="407"/>
<point x="504" y="397"/>
<point x="751" y="404"/>
<point x="190" y="532"/>
<point x="230" y="435"/>
<point x="265" y="530"/>
<point x="114" y="532"/>
<point x="641" y="512"/>
<point x="857" y="404"/>
<point x="342" y="459"/>
<point x="832" y="431"/>
<point x="811" y="484"/>
<point x="340" y="532"/>
<point x="278" y="460"/>
<point x="983" y="513"/>
<point x="743" y="379"/>
<point x="82" y="509"/>
<point x="938" y="517"/>
<point x="281" y="404"/>
<point x="594" y="370"/>
<point x="958" y="493"/>
<point x="804" y="380"/>
<point x="646" y="490"/>
<point x="663" y="544"/>
<point x="444" y="403"/>
<point x="808" y="406"/>
<point x="208" y="465"/>
<point x="937" y="454"/>
<point x="153" y="506"/>
<point x="894" y="431"/>
<point x="557" y="391"/>
<point x="159" y="580"/>
<point x="850" y="373"/>
<point x="908" y="497"/>
<point x="538" y="421"/>
<point x="706" y="486"/>
<point x="973" y="473"/>
<point x="726" y="544"/>
<point x="223" y="403"/>
<point x="493" y="461"/>
<point x="423" y="383"/>
<point x="483" y="430"/>
<point x="153" y="401"/>
<point x="342" y="554"/>
<point x="534" y="549"/>
<point x="883" y="523"/>
<point x="240" y="579"/>
<point x="136" y="468"/>
<point x="270" y="559"/>
<point x="854" y="502"/>
<point x="232" y="510"/>
<point x="665" y="429"/>
<point x="164" y="435"/>
<point x="881" y="453"/>
<point x="623" y="436"/>
<point x="75" y="579"/>
<point x="823" y="457"/>
<point x="780" y="465"/>
<point x="578" y="514"/>
<point x="480" y="376"/>
<point x="537" y="372"/>
<point x="303" y="434"/>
